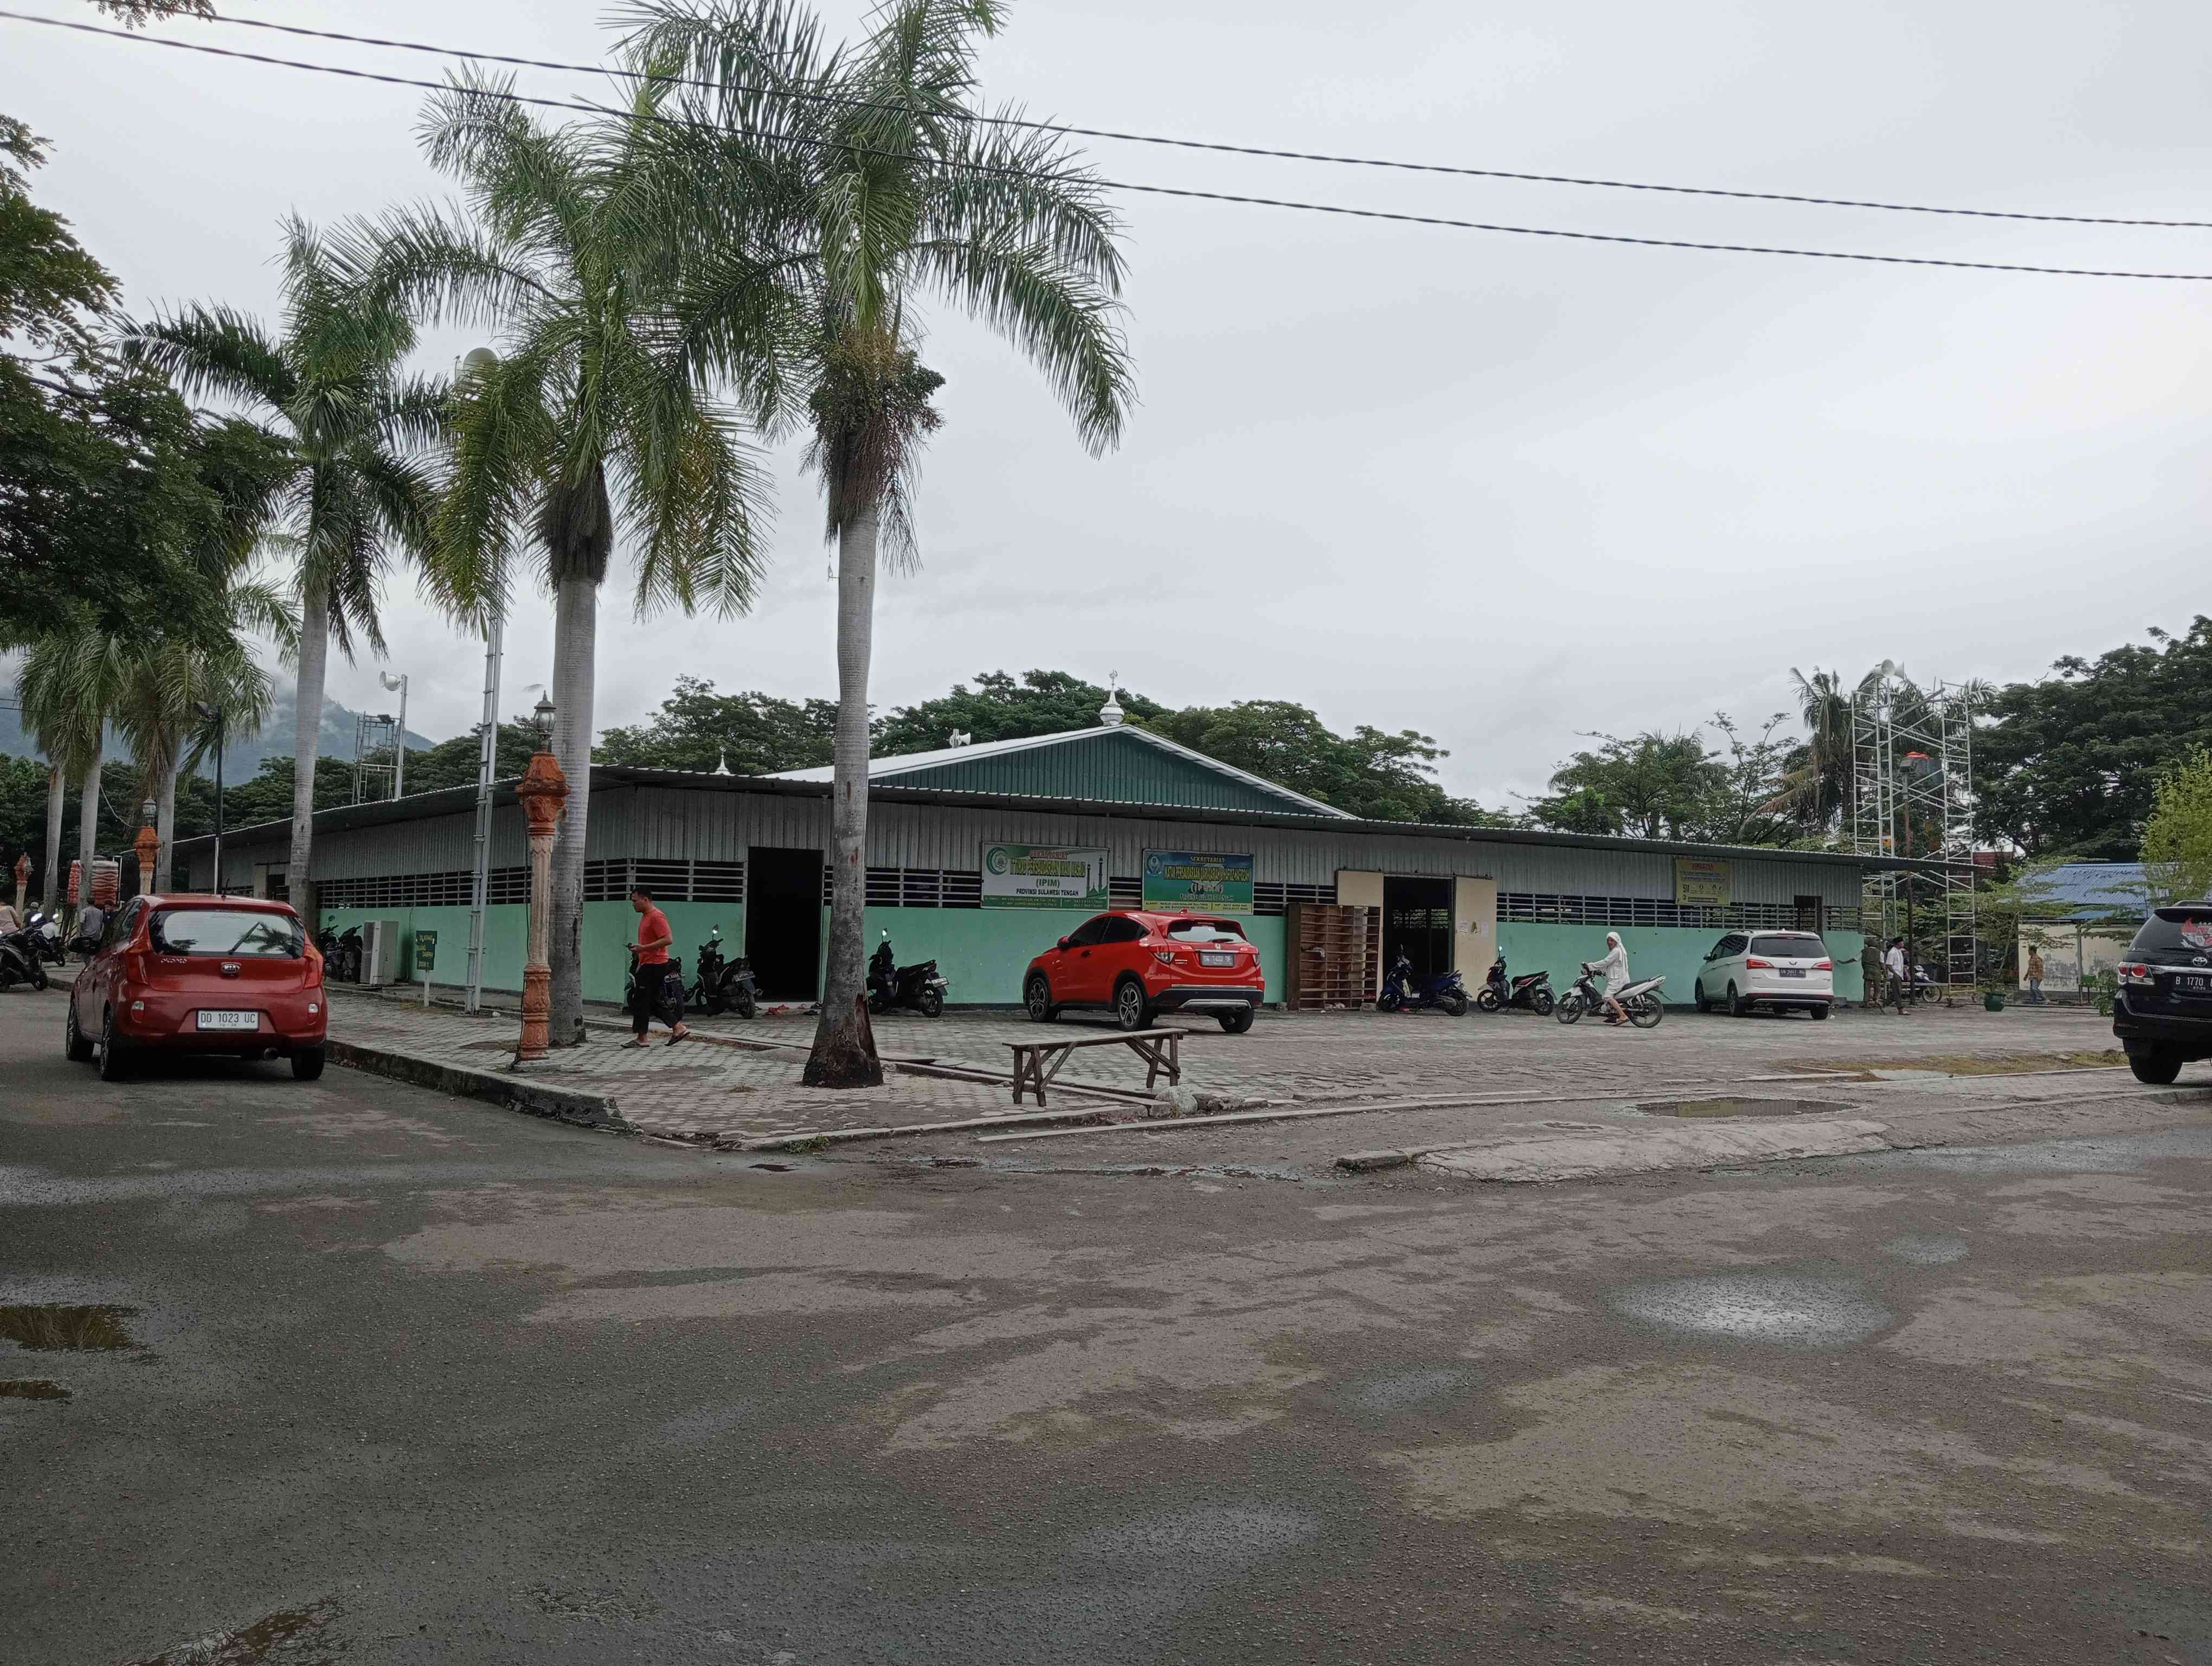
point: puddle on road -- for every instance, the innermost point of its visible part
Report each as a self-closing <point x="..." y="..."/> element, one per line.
<point x="33" y="1388"/>
<point x="1927" y="1248"/>
<point x="274" y="1636"/>
<point x="1406" y="1390"/>
<point x="52" y="1325"/>
<point x="1740" y="1107"/>
<point x="1794" y="1310"/>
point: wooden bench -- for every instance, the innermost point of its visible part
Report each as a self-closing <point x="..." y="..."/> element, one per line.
<point x="1159" y="1049"/>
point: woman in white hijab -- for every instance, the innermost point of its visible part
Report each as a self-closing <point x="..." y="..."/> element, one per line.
<point x="1614" y="969"/>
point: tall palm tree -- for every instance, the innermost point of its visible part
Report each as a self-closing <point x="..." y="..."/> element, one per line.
<point x="359" y="487"/>
<point x="69" y="685"/>
<point x="868" y="179"/>
<point x="592" y="423"/>
<point x="1816" y="784"/>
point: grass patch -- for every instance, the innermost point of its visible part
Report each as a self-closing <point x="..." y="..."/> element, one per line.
<point x="1975" y="1064"/>
<point x="37" y="1389"/>
<point x="52" y="1325"/>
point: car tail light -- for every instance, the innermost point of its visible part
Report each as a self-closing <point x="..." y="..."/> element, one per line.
<point x="1824" y="965"/>
<point x="2135" y="972"/>
<point x="1165" y="957"/>
<point x="1754" y="963"/>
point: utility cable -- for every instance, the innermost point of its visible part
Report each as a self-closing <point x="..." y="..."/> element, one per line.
<point x="580" y="107"/>
<point x="1214" y="145"/>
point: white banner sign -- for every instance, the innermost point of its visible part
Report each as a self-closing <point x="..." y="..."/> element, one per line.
<point x="1044" y="876"/>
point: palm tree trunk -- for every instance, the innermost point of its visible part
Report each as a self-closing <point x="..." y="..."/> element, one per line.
<point x="88" y="824"/>
<point x="166" y="824"/>
<point x="575" y="652"/>
<point x="306" y="745"/>
<point x="57" y="803"/>
<point x="844" y="1044"/>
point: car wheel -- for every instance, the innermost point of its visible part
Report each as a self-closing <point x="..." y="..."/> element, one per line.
<point x="1820" y="1011"/>
<point x="2158" y="1069"/>
<point x="1236" y="1022"/>
<point x="1130" y="1010"/>
<point x="114" y="1051"/>
<point x="1737" y="1006"/>
<point x="307" y="1063"/>
<point x="75" y="1048"/>
<point x="1037" y="998"/>
<point x="1697" y="997"/>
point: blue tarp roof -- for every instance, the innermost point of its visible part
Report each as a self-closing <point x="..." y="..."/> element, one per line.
<point x="2094" y="890"/>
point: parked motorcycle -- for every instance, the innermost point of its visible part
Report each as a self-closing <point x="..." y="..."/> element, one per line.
<point x="917" y="987"/>
<point x="44" y="934"/>
<point x="723" y="986"/>
<point x="341" y="954"/>
<point x="1531" y="989"/>
<point x="1640" y="1001"/>
<point x="1405" y="990"/>
<point x="20" y="962"/>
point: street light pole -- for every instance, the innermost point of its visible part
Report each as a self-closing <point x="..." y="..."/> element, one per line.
<point x="399" y="742"/>
<point x="215" y="715"/>
<point x="544" y="791"/>
<point x="487" y="769"/>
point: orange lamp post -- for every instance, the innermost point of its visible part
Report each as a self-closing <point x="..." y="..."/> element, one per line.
<point x="544" y="792"/>
<point x="148" y="844"/>
<point x="22" y="881"/>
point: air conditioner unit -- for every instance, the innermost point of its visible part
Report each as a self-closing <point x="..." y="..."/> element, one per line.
<point x="379" y="953"/>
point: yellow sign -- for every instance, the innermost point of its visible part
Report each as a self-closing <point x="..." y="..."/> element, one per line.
<point x="1701" y="882"/>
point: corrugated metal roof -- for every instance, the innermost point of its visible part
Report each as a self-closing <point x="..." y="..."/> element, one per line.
<point x="2091" y="891"/>
<point x="1120" y="765"/>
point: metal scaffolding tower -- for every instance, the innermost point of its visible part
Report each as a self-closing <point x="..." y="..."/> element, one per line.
<point x="1912" y="767"/>
<point x="375" y="758"/>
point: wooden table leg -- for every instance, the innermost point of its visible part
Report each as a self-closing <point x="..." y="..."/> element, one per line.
<point x="1174" y="1060"/>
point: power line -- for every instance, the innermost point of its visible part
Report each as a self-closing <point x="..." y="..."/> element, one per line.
<point x="1226" y="149"/>
<point x="580" y="107"/>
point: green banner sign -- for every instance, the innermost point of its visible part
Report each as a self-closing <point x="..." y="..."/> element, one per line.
<point x="1197" y="883"/>
<point x="1044" y="876"/>
<point x="426" y="951"/>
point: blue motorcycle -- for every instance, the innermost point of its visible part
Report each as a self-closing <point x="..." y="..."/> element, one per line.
<point x="1405" y="990"/>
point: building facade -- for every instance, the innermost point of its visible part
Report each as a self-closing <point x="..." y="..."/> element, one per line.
<point x="979" y="857"/>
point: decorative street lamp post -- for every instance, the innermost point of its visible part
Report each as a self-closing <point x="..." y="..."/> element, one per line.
<point x="22" y="881"/>
<point x="543" y="790"/>
<point x="148" y="844"/>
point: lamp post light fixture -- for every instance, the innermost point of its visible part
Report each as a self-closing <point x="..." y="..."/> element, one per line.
<point x="542" y="791"/>
<point x="399" y="735"/>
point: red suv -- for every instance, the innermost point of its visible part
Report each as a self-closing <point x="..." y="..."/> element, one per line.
<point x="230" y="975"/>
<point x="1137" y="964"/>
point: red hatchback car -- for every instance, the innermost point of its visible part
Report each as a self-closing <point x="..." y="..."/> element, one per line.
<point x="1137" y="964"/>
<point x="232" y="974"/>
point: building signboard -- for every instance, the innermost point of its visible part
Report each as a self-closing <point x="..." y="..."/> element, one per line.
<point x="1701" y="882"/>
<point x="1200" y="883"/>
<point x="1044" y="876"/>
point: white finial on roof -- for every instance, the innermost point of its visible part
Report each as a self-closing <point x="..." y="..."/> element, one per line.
<point x="722" y="761"/>
<point x="1110" y="714"/>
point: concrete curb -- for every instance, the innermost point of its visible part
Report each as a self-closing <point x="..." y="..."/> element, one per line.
<point x="560" y="1104"/>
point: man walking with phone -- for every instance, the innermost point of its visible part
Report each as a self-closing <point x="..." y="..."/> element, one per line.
<point x="652" y="974"/>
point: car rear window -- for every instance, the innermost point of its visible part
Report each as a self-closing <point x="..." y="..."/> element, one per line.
<point x="1205" y="931"/>
<point x="1791" y="946"/>
<point x="2175" y="931"/>
<point x="236" y="931"/>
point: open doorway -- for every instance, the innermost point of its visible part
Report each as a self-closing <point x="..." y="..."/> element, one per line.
<point x="783" y="922"/>
<point x="1417" y="918"/>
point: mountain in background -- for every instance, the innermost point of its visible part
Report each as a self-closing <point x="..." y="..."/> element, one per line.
<point x="241" y="758"/>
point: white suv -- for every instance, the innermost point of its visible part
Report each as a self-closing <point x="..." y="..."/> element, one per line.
<point x="1779" y="970"/>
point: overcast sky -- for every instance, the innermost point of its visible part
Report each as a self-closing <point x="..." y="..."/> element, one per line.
<point x="1502" y="489"/>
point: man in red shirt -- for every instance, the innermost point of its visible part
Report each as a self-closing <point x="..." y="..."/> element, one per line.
<point x="653" y="971"/>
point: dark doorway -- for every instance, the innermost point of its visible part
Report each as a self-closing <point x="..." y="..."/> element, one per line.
<point x="783" y="922"/>
<point x="1808" y="914"/>
<point x="1417" y="918"/>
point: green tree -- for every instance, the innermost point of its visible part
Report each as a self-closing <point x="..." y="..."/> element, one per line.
<point x="69" y="685"/>
<point x="1002" y="708"/>
<point x="696" y="728"/>
<point x="1371" y="774"/>
<point x="594" y="421"/>
<point x="2072" y="762"/>
<point x="358" y="489"/>
<point x="1814" y="788"/>
<point x="868" y="177"/>
<point x="137" y="14"/>
<point x="1652" y="787"/>
<point x="1742" y="809"/>
<point x="2177" y="841"/>
<point x="455" y="763"/>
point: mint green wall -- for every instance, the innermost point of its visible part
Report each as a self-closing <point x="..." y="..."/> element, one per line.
<point x="506" y="933"/>
<point x="1669" y="951"/>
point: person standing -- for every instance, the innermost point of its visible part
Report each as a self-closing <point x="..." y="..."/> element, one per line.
<point x="1901" y="988"/>
<point x="653" y="971"/>
<point x="2035" y="977"/>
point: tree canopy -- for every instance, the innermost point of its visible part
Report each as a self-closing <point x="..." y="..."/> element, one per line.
<point x="698" y="728"/>
<point x="1000" y="707"/>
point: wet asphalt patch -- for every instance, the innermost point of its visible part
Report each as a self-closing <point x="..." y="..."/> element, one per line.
<point x="1790" y="1309"/>
<point x="1734" y="1107"/>
<point x="33" y="1388"/>
<point x="1406" y="1390"/>
<point x="1927" y="1248"/>
<point x="294" y="1635"/>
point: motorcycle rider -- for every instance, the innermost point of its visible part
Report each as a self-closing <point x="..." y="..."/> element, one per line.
<point x="1614" y="969"/>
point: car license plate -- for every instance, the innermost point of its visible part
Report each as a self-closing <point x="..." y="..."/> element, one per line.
<point x="2193" y="984"/>
<point x="1217" y="960"/>
<point x="230" y="1020"/>
<point x="1793" y="971"/>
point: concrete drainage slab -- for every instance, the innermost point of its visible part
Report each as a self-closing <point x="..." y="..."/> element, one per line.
<point x="1648" y="1149"/>
<point x="1723" y="1108"/>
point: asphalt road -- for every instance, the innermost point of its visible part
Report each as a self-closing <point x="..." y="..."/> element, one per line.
<point x="416" y="1380"/>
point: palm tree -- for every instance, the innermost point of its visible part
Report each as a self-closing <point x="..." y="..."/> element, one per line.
<point x="358" y="487"/>
<point x="591" y="423"/>
<point x="868" y="181"/>
<point x="1816" y="785"/>
<point x="69" y="685"/>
